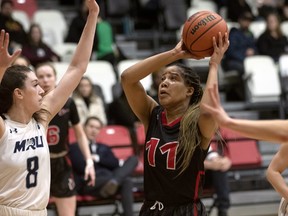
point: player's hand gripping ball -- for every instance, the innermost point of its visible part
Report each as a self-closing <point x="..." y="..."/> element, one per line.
<point x="199" y="29"/>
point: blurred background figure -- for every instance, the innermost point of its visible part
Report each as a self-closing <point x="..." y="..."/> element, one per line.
<point x="104" y="47"/>
<point x="88" y="103"/>
<point x="63" y="188"/>
<point x="36" y="50"/>
<point x="272" y="42"/>
<point x="242" y="44"/>
<point x="113" y="175"/>
<point x="156" y="80"/>
<point x="236" y="8"/>
<point x="18" y="36"/>
<point x="22" y="60"/>
<point x="216" y="167"/>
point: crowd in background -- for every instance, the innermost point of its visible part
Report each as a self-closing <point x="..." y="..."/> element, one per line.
<point x="92" y="108"/>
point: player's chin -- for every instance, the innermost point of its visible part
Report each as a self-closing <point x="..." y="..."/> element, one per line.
<point x="163" y="100"/>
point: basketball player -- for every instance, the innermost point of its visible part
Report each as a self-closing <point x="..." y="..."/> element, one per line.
<point x="25" y="115"/>
<point x="275" y="131"/>
<point x="174" y="154"/>
<point x="62" y="181"/>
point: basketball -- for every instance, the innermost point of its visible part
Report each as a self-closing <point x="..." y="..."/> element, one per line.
<point x="199" y="29"/>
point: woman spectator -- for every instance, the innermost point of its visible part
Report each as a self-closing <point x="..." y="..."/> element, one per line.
<point x="36" y="50"/>
<point x="88" y="102"/>
<point x="272" y="41"/>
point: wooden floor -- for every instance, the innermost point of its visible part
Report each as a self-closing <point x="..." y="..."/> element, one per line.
<point x="249" y="203"/>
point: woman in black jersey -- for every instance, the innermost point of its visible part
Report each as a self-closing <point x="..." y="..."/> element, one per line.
<point x="178" y="132"/>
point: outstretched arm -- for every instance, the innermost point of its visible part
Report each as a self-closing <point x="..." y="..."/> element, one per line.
<point x="269" y="130"/>
<point x="5" y="61"/>
<point x="84" y="147"/>
<point x="54" y="100"/>
<point x="5" y="58"/>
<point x="278" y="164"/>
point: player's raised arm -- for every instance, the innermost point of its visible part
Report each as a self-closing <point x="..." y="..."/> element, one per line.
<point x="5" y="61"/>
<point x="56" y="98"/>
<point x="270" y="130"/>
<point x="206" y="123"/>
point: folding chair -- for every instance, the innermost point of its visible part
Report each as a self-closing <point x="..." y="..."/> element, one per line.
<point x="102" y="73"/>
<point x="262" y="86"/>
<point x="118" y="138"/>
<point x="242" y="151"/>
<point x="124" y="64"/>
<point x="47" y="18"/>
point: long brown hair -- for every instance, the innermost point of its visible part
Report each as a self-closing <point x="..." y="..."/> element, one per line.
<point x="189" y="134"/>
<point x="14" y="77"/>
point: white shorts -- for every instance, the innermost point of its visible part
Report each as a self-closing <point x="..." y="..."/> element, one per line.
<point x="10" y="211"/>
<point x="283" y="208"/>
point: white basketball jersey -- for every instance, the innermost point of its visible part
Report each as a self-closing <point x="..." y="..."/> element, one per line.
<point x="24" y="166"/>
<point x="283" y="208"/>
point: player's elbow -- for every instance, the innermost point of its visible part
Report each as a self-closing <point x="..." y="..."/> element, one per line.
<point x="268" y="175"/>
<point x="282" y="137"/>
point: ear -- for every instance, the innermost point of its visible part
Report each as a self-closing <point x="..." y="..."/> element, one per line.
<point x="190" y="91"/>
<point x="18" y="93"/>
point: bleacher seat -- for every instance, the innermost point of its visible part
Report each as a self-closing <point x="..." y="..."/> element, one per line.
<point x="205" y="5"/>
<point x="257" y="27"/>
<point x="23" y="18"/>
<point x="262" y="79"/>
<point x="65" y="50"/>
<point x="102" y="73"/>
<point x="118" y="138"/>
<point x="52" y="21"/>
<point x="284" y="27"/>
<point x="61" y="68"/>
<point x="242" y="151"/>
<point x="124" y="64"/>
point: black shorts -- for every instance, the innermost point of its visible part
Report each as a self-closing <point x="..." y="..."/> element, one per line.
<point x="62" y="179"/>
<point x="189" y="209"/>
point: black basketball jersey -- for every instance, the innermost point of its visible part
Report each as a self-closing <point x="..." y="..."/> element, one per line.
<point x="161" y="179"/>
<point x="58" y="130"/>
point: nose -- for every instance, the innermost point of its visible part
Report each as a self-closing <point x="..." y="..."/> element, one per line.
<point x="164" y="83"/>
<point x="41" y="91"/>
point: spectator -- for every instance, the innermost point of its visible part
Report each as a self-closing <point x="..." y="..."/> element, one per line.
<point x="104" y="47"/>
<point x="156" y="80"/>
<point x="266" y="7"/>
<point x="242" y="44"/>
<point x="88" y="103"/>
<point x="18" y="36"/>
<point x="36" y="50"/>
<point x="216" y="167"/>
<point x="272" y="41"/>
<point x="236" y="8"/>
<point x="22" y="60"/>
<point x="62" y="182"/>
<point x="112" y="174"/>
<point x="284" y="12"/>
<point x="119" y="111"/>
<point x="77" y="24"/>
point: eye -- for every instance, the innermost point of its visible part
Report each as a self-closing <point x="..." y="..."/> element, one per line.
<point x="173" y="77"/>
